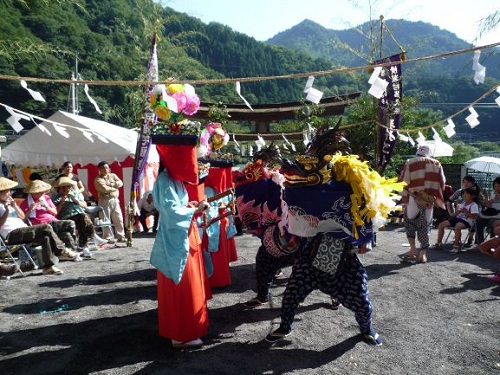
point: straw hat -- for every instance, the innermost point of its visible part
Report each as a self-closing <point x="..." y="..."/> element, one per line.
<point x="64" y="181"/>
<point x="37" y="186"/>
<point x="6" y="184"/>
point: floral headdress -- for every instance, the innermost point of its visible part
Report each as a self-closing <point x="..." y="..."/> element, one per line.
<point x="214" y="136"/>
<point x="170" y="103"/>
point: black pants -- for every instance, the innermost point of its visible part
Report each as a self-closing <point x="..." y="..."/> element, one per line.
<point x="144" y="215"/>
<point x="65" y="230"/>
<point x="348" y="285"/>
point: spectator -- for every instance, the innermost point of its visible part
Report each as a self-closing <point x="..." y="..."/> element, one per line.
<point x="422" y="174"/>
<point x="71" y="205"/>
<point x="457" y="199"/>
<point x="492" y="249"/>
<point x="67" y="171"/>
<point x="442" y="214"/>
<point x="147" y="208"/>
<point x="39" y="209"/>
<point x="107" y="185"/>
<point x="464" y="217"/>
<point x="490" y="212"/>
<point x="16" y="231"/>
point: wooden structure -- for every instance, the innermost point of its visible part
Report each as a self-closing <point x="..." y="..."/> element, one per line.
<point x="264" y="114"/>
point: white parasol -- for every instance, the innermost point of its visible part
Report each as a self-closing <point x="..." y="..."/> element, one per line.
<point x="486" y="164"/>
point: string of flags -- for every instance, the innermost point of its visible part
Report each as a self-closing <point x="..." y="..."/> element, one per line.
<point x="17" y="115"/>
<point x="378" y="86"/>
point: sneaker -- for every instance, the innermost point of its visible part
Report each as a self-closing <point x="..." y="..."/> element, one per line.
<point x="455" y="250"/>
<point x="68" y="254"/>
<point x="86" y="254"/>
<point x="278" y="335"/>
<point x="121" y="239"/>
<point x="8" y="269"/>
<point x="100" y="241"/>
<point x="196" y="343"/>
<point x="254" y="302"/>
<point x="111" y="241"/>
<point x="495" y="278"/>
<point x="372" y="338"/>
<point x="53" y="270"/>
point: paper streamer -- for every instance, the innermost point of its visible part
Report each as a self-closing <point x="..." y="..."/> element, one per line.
<point x="86" y="89"/>
<point x="34" y="94"/>
<point x="238" y="90"/>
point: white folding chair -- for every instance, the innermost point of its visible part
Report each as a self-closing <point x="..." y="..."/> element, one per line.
<point x="7" y="250"/>
<point x="95" y="213"/>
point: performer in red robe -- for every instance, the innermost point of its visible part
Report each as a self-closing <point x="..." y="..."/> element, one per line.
<point x="219" y="180"/>
<point x="176" y="253"/>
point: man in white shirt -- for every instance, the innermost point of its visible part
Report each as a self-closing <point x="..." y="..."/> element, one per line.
<point x="147" y="208"/>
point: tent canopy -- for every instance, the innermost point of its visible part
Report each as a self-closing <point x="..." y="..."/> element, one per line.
<point x="83" y="140"/>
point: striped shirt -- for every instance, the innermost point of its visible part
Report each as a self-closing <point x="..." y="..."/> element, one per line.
<point x="424" y="173"/>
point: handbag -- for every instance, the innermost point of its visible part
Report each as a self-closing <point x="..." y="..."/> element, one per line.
<point x="490" y="211"/>
<point x="424" y="199"/>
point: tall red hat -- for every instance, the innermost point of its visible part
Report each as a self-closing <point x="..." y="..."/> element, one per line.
<point x="179" y="158"/>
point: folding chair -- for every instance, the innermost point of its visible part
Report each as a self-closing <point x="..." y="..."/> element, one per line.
<point x="451" y="230"/>
<point x="7" y="250"/>
<point x="94" y="213"/>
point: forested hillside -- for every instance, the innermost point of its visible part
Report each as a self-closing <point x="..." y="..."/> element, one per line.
<point x="111" y="41"/>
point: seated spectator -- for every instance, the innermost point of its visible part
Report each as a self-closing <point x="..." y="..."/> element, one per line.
<point x="463" y="217"/>
<point x="16" y="231"/>
<point x="39" y="209"/>
<point x="490" y="213"/>
<point x="70" y="205"/>
<point x="457" y="198"/>
<point x="441" y="214"/>
<point x="147" y="208"/>
<point x="492" y="249"/>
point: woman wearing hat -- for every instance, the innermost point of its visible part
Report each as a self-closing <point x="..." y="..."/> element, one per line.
<point x="39" y="209"/>
<point x="16" y="231"/>
<point x="70" y="205"/>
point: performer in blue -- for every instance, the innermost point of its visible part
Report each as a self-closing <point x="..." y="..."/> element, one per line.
<point x="335" y="202"/>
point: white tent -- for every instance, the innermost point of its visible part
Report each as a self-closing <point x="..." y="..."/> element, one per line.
<point x="83" y="140"/>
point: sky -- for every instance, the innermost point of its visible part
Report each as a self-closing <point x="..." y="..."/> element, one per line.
<point x="262" y="19"/>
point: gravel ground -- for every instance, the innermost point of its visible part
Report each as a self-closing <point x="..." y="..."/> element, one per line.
<point x="100" y="318"/>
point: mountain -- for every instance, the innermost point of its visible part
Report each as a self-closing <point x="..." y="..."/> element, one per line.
<point x="418" y="39"/>
<point x="444" y="83"/>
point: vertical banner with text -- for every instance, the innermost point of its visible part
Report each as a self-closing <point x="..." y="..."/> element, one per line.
<point x="389" y="113"/>
<point x="148" y="118"/>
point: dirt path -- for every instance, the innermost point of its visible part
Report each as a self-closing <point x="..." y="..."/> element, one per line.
<point x="436" y="318"/>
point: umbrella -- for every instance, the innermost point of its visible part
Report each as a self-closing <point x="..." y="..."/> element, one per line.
<point x="439" y="148"/>
<point x="486" y="164"/>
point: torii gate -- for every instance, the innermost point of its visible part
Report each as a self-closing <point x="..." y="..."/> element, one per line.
<point x="263" y="114"/>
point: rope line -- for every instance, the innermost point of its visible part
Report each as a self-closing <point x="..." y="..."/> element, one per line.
<point x="246" y="79"/>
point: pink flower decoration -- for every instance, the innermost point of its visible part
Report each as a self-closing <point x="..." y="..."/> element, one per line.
<point x="181" y="99"/>
<point x="192" y="105"/>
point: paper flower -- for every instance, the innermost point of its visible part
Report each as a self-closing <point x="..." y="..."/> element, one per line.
<point x="214" y="137"/>
<point x="170" y="103"/>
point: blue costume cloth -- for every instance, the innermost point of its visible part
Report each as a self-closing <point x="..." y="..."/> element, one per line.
<point x="171" y="246"/>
